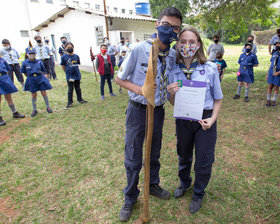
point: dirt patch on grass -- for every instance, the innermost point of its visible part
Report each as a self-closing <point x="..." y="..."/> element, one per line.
<point x="5" y="133"/>
<point x="7" y="207"/>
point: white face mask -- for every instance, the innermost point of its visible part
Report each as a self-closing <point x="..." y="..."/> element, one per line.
<point x="7" y="47"/>
<point x="31" y="56"/>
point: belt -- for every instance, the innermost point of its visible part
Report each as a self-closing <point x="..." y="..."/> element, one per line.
<point x="44" y="59"/>
<point x="143" y="106"/>
<point x="34" y="74"/>
<point x="205" y="113"/>
<point x="3" y="74"/>
<point x="14" y="64"/>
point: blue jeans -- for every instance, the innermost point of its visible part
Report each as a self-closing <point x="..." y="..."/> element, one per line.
<point x="134" y="138"/>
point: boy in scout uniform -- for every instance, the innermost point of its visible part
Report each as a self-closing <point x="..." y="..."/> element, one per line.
<point x="132" y="75"/>
<point x="11" y="56"/>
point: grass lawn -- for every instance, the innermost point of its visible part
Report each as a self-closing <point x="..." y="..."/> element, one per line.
<point x="67" y="167"/>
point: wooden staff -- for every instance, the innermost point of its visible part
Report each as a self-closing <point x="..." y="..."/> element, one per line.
<point x="92" y="59"/>
<point x="149" y="94"/>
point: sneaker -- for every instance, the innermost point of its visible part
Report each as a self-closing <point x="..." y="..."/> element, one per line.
<point x="157" y="191"/>
<point x="120" y="90"/>
<point x="180" y="191"/>
<point x="102" y="97"/>
<point x="236" y="97"/>
<point x="49" y="110"/>
<point x="195" y="205"/>
<point x="273" y="103"/>
<point x="83" y="101"/>
<point x="268" y="103"/>
<point x="69" y="105"/>
<point x="2" y="122"/>
<point x="126" y="212"/>
<point x="18" y="115"/>
<point x="34" y="113"/>
<point x="112" y="94"/>
<point x="246" y="99"/>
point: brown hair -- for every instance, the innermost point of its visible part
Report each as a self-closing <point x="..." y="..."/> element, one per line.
<point x="219" y="55"/>
<point x="200" y="54"/>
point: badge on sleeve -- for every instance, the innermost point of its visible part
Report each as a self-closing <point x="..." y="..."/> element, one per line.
<point x="121" y="69"/>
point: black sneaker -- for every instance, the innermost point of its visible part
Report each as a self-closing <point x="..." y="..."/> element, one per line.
<point x="2" y="122"/>
<point x="236" y="97"/>
<point x="83" y="101"/>
<point x="180" y="191"/>
<point x="49" y="110"/>
<point x="18" y="115"/>
<point x="273" y="103"/>
<point x="195" y="205"/>
<point x="126" y="212"/>
<point x="268" y="103"/>
<point x="34" y="113"/>
<point x="69" y="105"/>
<point x="120" y="90"/>
<point x="157" y="191"/>
<point x="246" y="99"/>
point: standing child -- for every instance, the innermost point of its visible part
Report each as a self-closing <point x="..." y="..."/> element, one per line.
<point x="70" y="65"/>
<point x="7" y="87"/>
<point x="105" y="69"/>
<point x="273" y="76"/>
<point x="220" y="61"/>
<point x="33" y="69"/>
<point x="247" y="61"/>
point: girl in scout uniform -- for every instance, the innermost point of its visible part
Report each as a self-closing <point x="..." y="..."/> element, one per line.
<point x="70" y="65"/>
<point x="192" y="65"/>
<point x="33" y="69"/>
<point x="7" y="87"/>
<point x="273" y="77"/>
<point x="247" y="61"/>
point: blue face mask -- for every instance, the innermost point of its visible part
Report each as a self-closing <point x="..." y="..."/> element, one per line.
<point x="166" y="34"/>
<point x="248" y="50"/>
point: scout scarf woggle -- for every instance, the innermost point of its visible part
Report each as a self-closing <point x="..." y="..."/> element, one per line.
<point x="188" y="50"/>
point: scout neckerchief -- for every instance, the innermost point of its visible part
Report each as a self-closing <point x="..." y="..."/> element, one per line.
<point x="188" y="72"/>
<point x="163" y="78"/>
<point x="276" y="62"/>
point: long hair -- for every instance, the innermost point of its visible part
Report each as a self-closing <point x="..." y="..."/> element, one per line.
<point x="200" y="53"/>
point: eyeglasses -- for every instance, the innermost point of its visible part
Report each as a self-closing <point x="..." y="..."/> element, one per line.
<point x="176" y="29"/>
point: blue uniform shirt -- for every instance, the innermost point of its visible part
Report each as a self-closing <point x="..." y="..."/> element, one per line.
<point x="42" y="52"/>
<point x="134" y="69"/>
<point x="246" y="67"/>
<point x="4" y="66"/>
<point x="32" y="67"/>
<point x="71" y="63"/>
<point x="274" y="67"/>
<point x="111" y="50"/>
<point x="208" y="72"/>
<point x="11" y="55"/>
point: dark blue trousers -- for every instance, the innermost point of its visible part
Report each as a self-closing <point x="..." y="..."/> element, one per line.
<point x="102" y="83"/>
<point x="15" y="68"/>
<point x="134" y="138"/>
<point x="52" y="67"/>
<point x="190" y="135"/>
<point x="113" y="61"/>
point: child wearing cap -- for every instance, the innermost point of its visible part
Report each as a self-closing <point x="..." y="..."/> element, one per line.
<point x="7" y="87"/>
<point x="33" y="69"/>
<point x="70" y="65"/>
<point x="273" y="76"/>
<point x="247" y="61"/>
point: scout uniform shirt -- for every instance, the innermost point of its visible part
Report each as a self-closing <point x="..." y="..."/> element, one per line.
<point x="134" y="69"/>
<point x="35" y="67"/>
<point x="71" y="63"/>
<point x="207" y="72"/>
<point x="274" y="67"/>
<point x="246" y="67"/>
<point x="11" y="56"/>
<point x="42" y="52"/>
<point x="6" y="84"/>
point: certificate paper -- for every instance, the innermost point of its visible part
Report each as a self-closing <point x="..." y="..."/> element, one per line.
<point x="189" y="100"/>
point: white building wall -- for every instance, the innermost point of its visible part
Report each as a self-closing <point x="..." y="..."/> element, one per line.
<point x="81" y="27"/>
